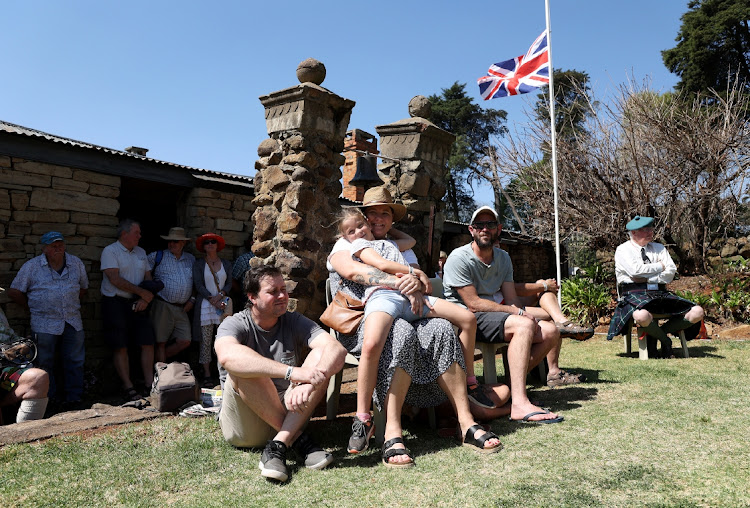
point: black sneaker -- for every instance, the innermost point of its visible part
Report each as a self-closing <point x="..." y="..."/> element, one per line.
<point x="273" y="461"/>
<point x="478" y="397"/>
<point x="315" y="457"/>
<point x="361" y="434"/>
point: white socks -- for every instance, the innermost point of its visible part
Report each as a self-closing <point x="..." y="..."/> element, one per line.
<point x="31" y="409"/>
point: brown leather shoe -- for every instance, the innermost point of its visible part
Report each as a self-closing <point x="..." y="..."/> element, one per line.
<point x="565" y="378"/>
<point x="574" y="330"/>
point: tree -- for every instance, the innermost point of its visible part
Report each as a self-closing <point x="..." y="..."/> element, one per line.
<point x="713" y="46"/>
<point x="684" y="162"/>
<point x="572" y="102"/>
<point x="473" y="126"/>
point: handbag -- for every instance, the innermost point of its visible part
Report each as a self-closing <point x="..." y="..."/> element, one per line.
<point x="174" y="386"/>
<point x="228" y="308"/>
<point x="343" y="314"/>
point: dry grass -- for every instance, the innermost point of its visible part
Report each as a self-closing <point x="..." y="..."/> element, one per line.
<point x="655" y="433"/>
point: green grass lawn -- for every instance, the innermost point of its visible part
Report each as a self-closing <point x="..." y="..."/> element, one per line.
<point x="639" y="433"/>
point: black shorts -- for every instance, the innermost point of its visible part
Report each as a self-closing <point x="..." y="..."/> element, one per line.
<point x="123" y="326"/>
<point x="491" y="326"/>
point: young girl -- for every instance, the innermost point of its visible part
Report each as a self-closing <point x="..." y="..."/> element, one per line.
<point x="383" y="305"/>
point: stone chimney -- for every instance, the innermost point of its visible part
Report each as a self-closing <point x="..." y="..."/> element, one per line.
<point x="137" y="150"/>
<point x="356" y="139"/>
<point x="297" y="184"/>
<point x="418" y="181"/>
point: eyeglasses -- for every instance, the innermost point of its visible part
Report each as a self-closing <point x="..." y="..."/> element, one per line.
<point x="491" y="224"/>
<point x="210" y="242"/>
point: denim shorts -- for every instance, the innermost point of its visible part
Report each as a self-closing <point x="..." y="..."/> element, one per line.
<point x="395" y="305"/>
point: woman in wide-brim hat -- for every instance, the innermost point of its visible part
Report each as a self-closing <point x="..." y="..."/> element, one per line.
<point x="200" y="242"/>
<point x="212" y="280"/>
<point x="378" y="196"/>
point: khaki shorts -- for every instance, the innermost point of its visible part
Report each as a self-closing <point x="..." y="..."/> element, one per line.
<point x="169" y="321"/>
<point x="239" y="424"/>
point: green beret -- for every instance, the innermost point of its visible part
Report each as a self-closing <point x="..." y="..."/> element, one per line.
<point x="639" y="222"/>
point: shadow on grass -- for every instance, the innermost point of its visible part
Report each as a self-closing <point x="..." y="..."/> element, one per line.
<point x="694" y="351"/>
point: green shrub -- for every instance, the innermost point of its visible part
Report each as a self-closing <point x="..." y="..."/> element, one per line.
<point x="584" y="300"/>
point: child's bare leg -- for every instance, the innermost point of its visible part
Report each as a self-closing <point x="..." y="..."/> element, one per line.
<point x="467" y="325"/>
<point x="466" y="322"/>
<point x="377" y="326"/>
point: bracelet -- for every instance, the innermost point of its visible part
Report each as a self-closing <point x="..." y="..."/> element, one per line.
<point x="288" y="375"/>
<point x="411" y="269"/>
<point x="520" y="312"/>
<point x="546" y="287"/>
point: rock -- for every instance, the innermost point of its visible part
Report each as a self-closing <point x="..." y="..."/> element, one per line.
<point x="740" y="332"/>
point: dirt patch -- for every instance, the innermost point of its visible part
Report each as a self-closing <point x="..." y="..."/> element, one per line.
<point x="85" y="421"/>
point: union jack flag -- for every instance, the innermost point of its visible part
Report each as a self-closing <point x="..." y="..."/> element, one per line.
<point x="522" y="74"/>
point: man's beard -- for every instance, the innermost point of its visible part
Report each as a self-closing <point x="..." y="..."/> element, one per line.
<point x="483" y="244"/>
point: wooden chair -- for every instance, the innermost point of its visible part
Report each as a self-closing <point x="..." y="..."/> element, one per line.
<point x="642" y="350"/>
<point x="334" y="390"/>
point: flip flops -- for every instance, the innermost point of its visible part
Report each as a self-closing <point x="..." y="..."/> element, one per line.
<point x="526" y="419"/>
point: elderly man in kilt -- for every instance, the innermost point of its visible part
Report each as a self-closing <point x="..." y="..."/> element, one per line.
<point x="643" y="269"/>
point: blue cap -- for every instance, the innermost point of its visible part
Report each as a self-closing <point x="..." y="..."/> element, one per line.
<point x="52" y="236"/>
<point x="639" y="222"/>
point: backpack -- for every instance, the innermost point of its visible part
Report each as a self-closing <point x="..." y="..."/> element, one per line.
<point x="174" y="386"/>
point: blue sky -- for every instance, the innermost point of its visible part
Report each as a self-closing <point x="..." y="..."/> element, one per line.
<point x="182" y="78"/>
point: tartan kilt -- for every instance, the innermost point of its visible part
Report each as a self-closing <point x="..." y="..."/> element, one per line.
<point x="9" y="376"/>
<point x="656" y="302"/>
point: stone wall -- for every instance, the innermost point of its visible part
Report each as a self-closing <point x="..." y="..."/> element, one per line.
<point x="83" y="205"/>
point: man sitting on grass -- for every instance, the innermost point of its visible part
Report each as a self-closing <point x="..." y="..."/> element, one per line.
<point x="274" y="368"/>
<point x="19" y="381"/>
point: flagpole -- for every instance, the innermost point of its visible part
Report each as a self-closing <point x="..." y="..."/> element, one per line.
<point x="554" y="149"/>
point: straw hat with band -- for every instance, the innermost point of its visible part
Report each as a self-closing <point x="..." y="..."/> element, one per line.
<point x="379" y="196"/>
<point x="175" y="234"/>
<point x="209" y="236"/>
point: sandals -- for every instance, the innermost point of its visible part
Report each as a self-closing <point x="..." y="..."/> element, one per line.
<point x="389" y="452"/>
<point x="478" y="442"/>
<point x="131" y="394"/>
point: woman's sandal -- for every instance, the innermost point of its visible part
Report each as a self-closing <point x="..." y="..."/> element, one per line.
<point x="478" y="442"/>
<point x="389" y="452"/>
<point x="130" y="394"/>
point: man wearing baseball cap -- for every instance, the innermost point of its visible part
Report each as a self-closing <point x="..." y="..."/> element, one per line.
<point x="643" y="269"/>
<point x="472" y="275"/>
<point x="51" y="286"/>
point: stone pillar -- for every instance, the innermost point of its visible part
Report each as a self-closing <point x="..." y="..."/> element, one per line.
<point x="418" y="181"/>
<point x="298" y="184"/>
<point x="356" y="139"/>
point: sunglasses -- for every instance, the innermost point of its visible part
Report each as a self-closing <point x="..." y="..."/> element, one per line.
<point x="210" y="242"/>
<point x="484" y="225"/>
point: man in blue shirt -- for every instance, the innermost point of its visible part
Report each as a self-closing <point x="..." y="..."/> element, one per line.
<point x="51" y="287"/>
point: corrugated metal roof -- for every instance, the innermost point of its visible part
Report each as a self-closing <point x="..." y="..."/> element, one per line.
<point x="26" y="131"/>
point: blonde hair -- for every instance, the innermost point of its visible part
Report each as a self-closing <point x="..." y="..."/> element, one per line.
<point x="346" y="214"/>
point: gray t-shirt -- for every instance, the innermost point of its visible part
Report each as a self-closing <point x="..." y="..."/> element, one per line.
<point x="287" y="342"/>
<point x="464" y="268"/>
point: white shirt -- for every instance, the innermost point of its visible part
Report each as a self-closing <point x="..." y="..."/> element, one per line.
<point x="630" y="265"/>
<point x="132" y="266"/>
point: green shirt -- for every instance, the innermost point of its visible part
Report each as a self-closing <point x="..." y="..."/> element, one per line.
<point x="463" y="268"/>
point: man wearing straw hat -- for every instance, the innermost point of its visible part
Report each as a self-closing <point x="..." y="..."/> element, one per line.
<point x="174" y="268"/>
